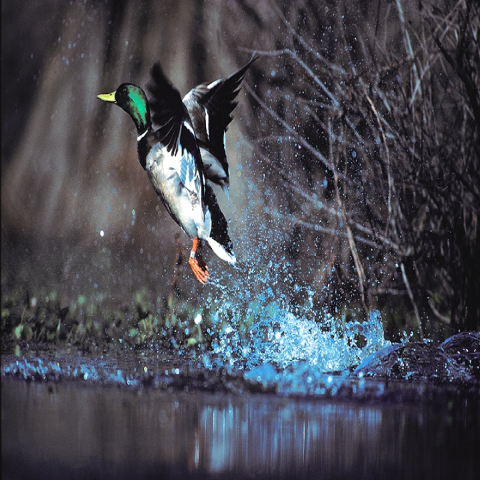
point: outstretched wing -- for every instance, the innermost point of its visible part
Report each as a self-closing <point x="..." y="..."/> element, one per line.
<point x="210" y="106"/>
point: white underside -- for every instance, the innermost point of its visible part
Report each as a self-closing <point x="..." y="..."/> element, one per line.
<point x="166" y="172"/>
<point x="177" y="184"/>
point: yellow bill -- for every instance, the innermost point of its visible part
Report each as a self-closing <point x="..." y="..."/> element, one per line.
<point x="107" y="97"/>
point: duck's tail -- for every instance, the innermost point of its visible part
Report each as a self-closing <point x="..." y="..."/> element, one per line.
<point x="219" y="241"/>
<point x="221" y="251"/>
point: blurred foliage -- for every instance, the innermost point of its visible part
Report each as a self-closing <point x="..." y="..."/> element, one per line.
<point x="95" y="321"/>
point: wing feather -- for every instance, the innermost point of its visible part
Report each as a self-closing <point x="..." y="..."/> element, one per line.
<point x="210" y="106"/>
<point x="166" y="108"/>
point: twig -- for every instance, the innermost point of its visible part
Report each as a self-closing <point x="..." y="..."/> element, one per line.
<point x="351" y="241"/>
<point x="410" y="295"/>
<point x="441" y="317"/>
<point x="389" y="175"/>
<point x="295" y="134"/>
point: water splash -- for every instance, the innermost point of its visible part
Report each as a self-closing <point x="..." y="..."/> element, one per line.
<point x="290" y="350"/>
<point x="256" y="325"/>
<point x="284" y="339"/>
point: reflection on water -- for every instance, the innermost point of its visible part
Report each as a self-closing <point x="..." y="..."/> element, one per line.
<point x="77" y="431"/>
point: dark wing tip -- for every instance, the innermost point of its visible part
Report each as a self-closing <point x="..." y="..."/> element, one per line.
<point x="233" y="81"/>
<point x="221" y="102"/>
<point x="158" y="79"/>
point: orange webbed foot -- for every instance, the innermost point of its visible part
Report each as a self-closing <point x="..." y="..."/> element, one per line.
<point x="198" y="266"/>
<point x="200" y="269"/>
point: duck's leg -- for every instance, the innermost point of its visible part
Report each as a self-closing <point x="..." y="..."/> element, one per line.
<point x="196" y="262"/>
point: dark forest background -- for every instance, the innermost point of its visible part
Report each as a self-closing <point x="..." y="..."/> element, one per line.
<point x="354" y="151"/>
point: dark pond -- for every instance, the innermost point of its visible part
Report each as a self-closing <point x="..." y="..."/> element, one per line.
<point x="66" y="415"/>
<point x="72" y="430"/>
<point x="285" y="403"/>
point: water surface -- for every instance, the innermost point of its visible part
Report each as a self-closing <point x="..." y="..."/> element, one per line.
<point x="81" y="430"/>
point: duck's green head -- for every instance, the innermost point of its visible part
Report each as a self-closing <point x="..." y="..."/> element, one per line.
<point x="133" y="100"/>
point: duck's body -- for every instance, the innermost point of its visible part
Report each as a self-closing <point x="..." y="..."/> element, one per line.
<point x="180" y="188"/>
<point x="171" y="157"/>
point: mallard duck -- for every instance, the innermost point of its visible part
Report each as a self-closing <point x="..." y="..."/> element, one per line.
<point x="210" y="106"/>
<point x="171" y="157"/>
